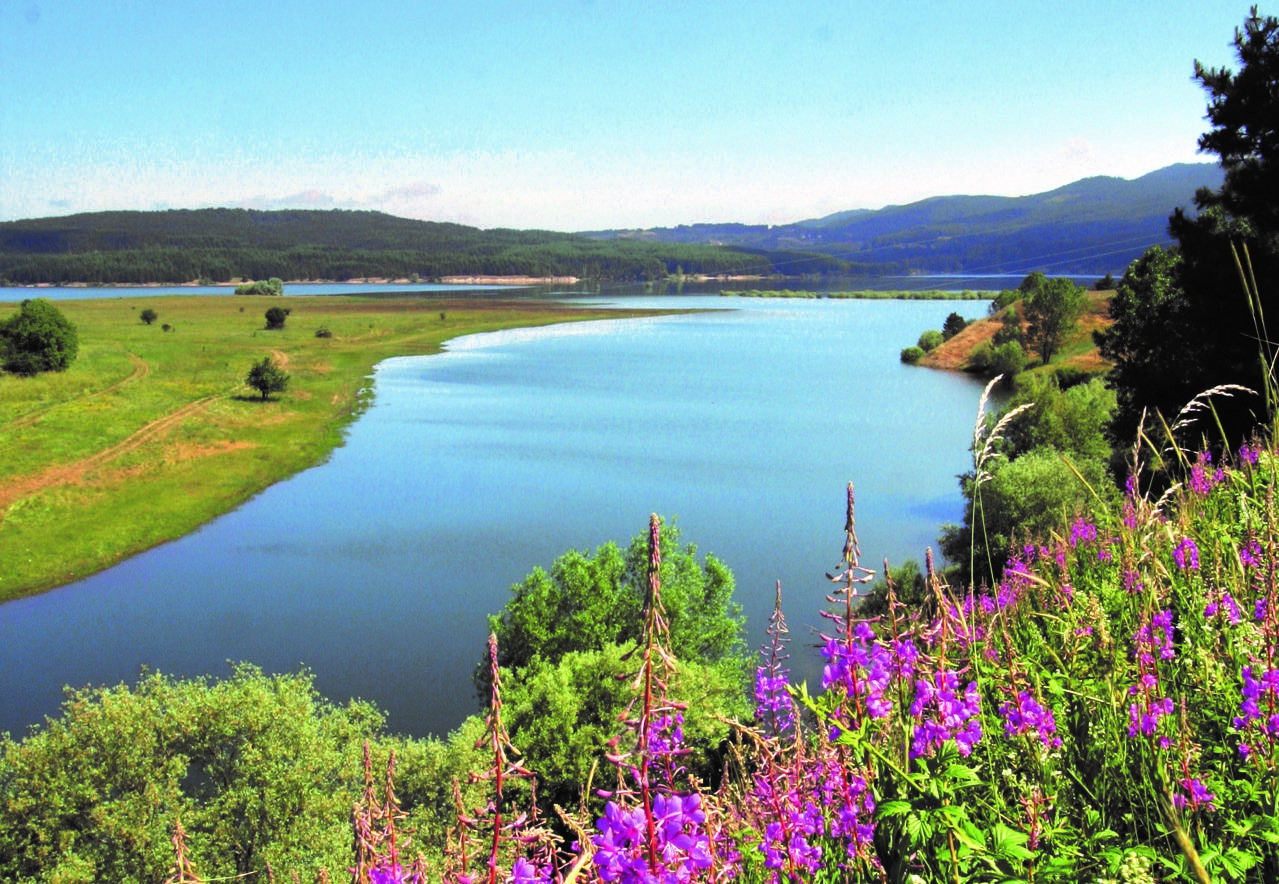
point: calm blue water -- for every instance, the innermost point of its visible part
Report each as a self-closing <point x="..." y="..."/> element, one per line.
<point x="376" y="569"/>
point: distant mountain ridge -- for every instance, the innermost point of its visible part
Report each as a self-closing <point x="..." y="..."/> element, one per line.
<point x="1094" y="225"/>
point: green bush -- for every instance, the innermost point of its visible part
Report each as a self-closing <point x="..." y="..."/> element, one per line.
<point x="37" y="338"/>
<point x="911" y="355"/>
<point x="276" y="316"/>
<point x="587" y="602"/>
<point x="930" y="340"/>
<point x="259" y="768"/>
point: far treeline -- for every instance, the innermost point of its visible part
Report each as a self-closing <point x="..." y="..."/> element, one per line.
<point x="219" y="245"/>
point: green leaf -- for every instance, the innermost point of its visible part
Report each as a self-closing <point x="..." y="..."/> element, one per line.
<point x="962" y="773"/>
<point x="890" y="809"/>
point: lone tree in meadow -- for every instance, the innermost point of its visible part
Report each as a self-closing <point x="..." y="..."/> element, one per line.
<point x="266" y="377"/>
<point x="37" y="338"/>
<point x="148" y="316"/>
<point x="275" y="317"/>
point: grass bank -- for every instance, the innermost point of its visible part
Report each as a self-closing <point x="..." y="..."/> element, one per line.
<point x="151" y="433"/>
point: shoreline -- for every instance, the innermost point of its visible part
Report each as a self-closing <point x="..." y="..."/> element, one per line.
<point x="469" y="280"/>
<point x="93" y="525"/>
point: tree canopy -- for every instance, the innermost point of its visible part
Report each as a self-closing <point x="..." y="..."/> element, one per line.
<point x="588" y="601"/>
<point x="1052" y="307"/>
<point x="37" y="338"/>
<point x="1183" y="323"/>
<point x="267" y="377"/>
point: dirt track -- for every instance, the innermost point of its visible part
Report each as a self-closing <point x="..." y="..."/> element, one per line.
<point x="140" y="371"/>
<point x="74" y="472"/>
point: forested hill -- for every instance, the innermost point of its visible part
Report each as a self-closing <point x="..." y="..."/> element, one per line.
<point x="221" y="244"/>
<point x="1092" y="226"/>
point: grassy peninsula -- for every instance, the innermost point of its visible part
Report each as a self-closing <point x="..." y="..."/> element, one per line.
<point x="152" y="431"/>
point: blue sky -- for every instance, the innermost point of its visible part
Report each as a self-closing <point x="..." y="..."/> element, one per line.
<point x="584" y="115"/>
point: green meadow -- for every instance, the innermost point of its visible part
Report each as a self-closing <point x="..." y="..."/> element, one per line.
<point x="152" y="431"/>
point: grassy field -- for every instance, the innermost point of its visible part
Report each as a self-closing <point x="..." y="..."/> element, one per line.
<point x="152" y="432"/>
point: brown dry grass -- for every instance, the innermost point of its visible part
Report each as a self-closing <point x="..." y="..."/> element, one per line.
<point x="953" y="355"/>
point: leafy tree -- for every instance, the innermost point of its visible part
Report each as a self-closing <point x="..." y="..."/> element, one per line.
<point x="275" y="317"/>
<point x="1002" y="300"/>
<point x="1009" y="327"/>
<point x="909" y="585"/>
<point x="1007" y="359"/>
<point x="37" y="338"/>
<point x="1071" y="421"/>
<point x="563" y="638"/>
<point x="953" y="325"/>
<point x="562" y="715"/>
<point x="259" y="768"/>
<point x="930" y="340"/>
<point x="1182" y="321"/>
<point x="1105" y="284"/>
<point x="1151" y="342"/>
<point x="587" y="602"/>
<point x="1028" y="497"/>
<point x="148" y="316"/>
<point x="266" y="377"/>
<point x="1244" y="111"/>
<point x="1032" y="283"/>
<point x="1052" y="308"/>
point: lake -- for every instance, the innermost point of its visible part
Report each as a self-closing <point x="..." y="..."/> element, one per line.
<point x="376" y="569"/>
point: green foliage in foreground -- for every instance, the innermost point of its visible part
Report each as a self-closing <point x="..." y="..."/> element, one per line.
<point x="1049" y="463"/>
<point x="259" y="769"/>
<point x="37" y="338"/>
<point x="563" y="714"/>
<point x="563" y="641"/>
<point x="589" y="601"/>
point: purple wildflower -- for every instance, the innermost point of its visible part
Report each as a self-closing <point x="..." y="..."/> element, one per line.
<point x="1201" y="481"/>
<point x="862" y="667"/>
<point x="944" y="713"/>
<point x="773" y="704"/>
<point x="1256" y="693"/>
<point x="1223" y="601"/>
<point x="1153" y="641"/>
<point x="683" y="848"/>
<point x="525" y="872"/>
<point x="1250" y="555"/>
<point x="1194" y="796"/>
<point x="1130" y="503"/>
<point x="1082" y="531"/>
<point x="389" y="874"/>
<point x="1187" y="555"/>
<point x="1248" y="454"/>
<point x="1026" y="717"/>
